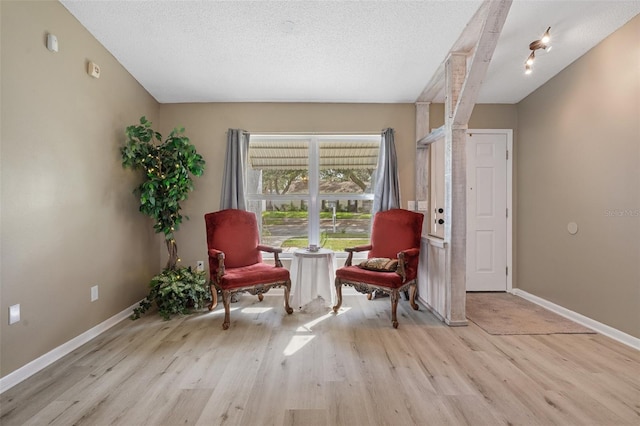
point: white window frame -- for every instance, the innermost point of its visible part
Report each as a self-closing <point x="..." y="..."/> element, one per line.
<point x="314" y="197"/>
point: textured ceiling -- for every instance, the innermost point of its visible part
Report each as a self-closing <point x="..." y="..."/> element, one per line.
<point x="326" y="51"/>
<point x="576" y="27"/>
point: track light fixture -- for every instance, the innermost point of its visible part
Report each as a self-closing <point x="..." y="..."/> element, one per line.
<point x="546" y="37"/>
<point x="543" y="44"/>
<point x="531" y="58"/>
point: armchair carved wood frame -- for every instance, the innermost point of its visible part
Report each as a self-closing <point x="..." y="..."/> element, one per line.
<point x="235" y="260"/>
<point x="396" y="234"/>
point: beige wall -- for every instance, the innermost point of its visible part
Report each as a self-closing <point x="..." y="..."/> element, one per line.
<point x="579" y="161"/>
<point x="206" y="126"/>
<point x="484" y="116"/>
<point x="69" y="219"/>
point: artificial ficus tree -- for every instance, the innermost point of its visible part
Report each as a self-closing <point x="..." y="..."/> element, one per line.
<point x="168" y="167"/>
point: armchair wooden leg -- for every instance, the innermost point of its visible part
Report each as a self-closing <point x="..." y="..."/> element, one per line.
<point x="214" y="297"/>
<point x="413" y="289"/>
<point x="260" y="297"/>
<point x="226" y="301"/>
<point x="394" y="307"/>
<point x="338" y="295"/>
<point x="287" y="292"/>
<point x="369" y="296"/>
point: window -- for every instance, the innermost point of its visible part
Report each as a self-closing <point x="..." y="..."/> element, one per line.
<point x="312" y="189"/>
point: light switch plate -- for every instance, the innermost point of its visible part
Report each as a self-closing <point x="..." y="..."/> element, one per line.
<point x="52" y="43"/>
<point x="14" y="314"/>
<point x="93" y="69"/>
<point x="423" y="206"/>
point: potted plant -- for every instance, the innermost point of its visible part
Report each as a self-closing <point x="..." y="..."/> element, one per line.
<point x="167" y="167"/>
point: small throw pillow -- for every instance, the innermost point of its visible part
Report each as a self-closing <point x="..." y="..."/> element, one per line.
<point x="380" y="264"/>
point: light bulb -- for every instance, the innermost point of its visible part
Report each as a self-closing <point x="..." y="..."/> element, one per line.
<point x="527" y="69"/>
<point x="530" y="59"/>
<point x="546" y="37"/>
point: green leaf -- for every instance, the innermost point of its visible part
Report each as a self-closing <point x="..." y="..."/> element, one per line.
<point x="174" y="292"/>
<point x="167" y="169"/>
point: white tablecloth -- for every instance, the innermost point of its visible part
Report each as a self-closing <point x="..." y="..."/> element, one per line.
<point x="313" y="275"/>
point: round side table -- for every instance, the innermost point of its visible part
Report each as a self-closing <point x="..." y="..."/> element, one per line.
<point x="313" y="275"/>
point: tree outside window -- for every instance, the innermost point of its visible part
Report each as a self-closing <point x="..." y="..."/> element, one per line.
<point x="313" y="189"/>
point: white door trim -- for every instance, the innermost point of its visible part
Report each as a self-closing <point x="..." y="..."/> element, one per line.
<point x="509" y="135"/>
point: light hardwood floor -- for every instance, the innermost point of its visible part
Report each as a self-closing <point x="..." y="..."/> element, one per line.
<point x="353" y="368"/>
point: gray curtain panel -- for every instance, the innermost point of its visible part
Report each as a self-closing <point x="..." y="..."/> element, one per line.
<point x="387" y="191"/>
<point x="233" y="179"/>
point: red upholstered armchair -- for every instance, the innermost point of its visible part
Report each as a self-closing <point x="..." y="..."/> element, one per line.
<point x="235" y="259"/>
<point x="395" y="235"/>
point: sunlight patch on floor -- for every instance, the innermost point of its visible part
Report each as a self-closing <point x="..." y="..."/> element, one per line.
<point x="255" y="310"/>
<point x="296" y="343"/>
<point x="299" y="341"/>
<point x="219" y="310"/>
<point x="308" y="326"/>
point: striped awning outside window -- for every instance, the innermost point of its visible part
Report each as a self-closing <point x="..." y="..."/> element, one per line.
<point x="293" y="154"/>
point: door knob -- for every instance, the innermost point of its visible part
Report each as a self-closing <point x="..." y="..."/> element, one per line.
<point x="440" y="221"/>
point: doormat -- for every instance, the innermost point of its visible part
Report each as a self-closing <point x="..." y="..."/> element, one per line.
<point x="506" y="314"/>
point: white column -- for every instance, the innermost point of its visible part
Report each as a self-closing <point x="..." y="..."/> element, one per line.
<point x="455" y="210"/>
<point x="422" y="162"/>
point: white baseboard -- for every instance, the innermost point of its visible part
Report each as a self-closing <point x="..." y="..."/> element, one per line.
<point x="22" y="373"/>
<point x="599" y="327"/>
<point x="431" y="309"/>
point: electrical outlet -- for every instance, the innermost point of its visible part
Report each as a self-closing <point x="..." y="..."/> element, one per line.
<point x="200" y="265"/>
<point x="14" y="314"/>
<point x="94" y="293"/>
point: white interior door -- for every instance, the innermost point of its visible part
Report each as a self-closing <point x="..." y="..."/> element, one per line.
<point x="487" y="185"/>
